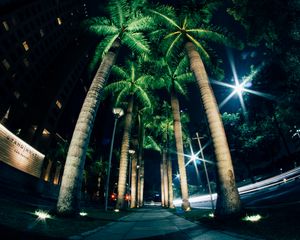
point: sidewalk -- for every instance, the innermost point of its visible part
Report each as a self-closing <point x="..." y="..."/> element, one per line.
<point x="156" y="223"/>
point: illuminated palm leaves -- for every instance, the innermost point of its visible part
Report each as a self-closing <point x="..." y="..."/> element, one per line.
<point x="174" y="75"/>
<point x="131" y="81"/>
<point x="126" y="22"/>
<point x="176" y="31"/>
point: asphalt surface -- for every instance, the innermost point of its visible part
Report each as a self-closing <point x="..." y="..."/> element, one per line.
<point x="153" y="223"/>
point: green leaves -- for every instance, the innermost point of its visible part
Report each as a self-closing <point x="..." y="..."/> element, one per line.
<point x="130" y="81"/>
<point x="140" y="24"/>
<point x="136" y="42"/>
<point x="118" y="10"/>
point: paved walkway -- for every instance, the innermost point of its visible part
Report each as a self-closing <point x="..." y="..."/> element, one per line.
<point x="153" y="224"/>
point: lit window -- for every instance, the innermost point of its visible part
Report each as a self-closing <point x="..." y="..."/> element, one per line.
<point x="42" y="33"/>
<point x="59" y="21"/>
<point x="26" y="62"/>
<point x="46" y="132"/>
<point x="17" y="94"/>
<point x="6" y="64"/>
<point x="25" y="45"/>
<point x="5" y="24"/>
<point x="58" y="104"/>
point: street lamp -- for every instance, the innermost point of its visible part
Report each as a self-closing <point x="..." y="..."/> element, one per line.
<point x="205" y="169"/>
<point x="131" y="152"/>
<point x="118" y="112"/>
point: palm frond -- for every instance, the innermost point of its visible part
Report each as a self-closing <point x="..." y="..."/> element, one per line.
<point x="150" y="143"/>
<point x="136" y="42"/>
<point x="107" y="42"/>
<point x="95" y="59"/>
<point x="167" y="14"/>
<point x="118" y="10"/>
<point x="157" y="35"/>
<point x="171" y="34"/>
<point x="103" y="30"/>
<point x="136" y="5"/>
<point x="180" y="88"/>
<point x="201" y="49"/>
<point x="217" y="37"/>
<point x="145" y="81"/>
<point x="170" y="49"/>
<point x="182" y="66"/>
<point x="140" y="24"/>
<point x="115" y="87"/>
<point x="123" y="94"/>
<point x="142" y="97"/>
<point x="185" y="77"/>
<point x="95" y="21"/>
<point x="119" y="72"/>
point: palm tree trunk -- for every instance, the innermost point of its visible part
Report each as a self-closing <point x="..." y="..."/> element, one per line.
<point x="124" y="156"/>
<point x="138" y="185"/>
<point x="162" y="184"/>
<point x="165" y="178"/>
<point x="141" y="161"/>
<point x="142" y="183"/>
<point x="170" y="186"/>
<point x="228" y="202"/>
<point x="179" y="147"/>
<point x="70" y="190"/>
<point x="133" y="182"/>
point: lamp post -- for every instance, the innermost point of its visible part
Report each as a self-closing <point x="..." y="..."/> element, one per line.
<point x="205" y="169"/>
<point x="118" y="112"/>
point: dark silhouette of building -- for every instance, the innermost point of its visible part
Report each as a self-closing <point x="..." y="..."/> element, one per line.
<point x="43" y="59"/>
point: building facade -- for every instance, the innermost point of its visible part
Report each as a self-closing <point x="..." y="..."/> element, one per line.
<point x="43" y="57"/>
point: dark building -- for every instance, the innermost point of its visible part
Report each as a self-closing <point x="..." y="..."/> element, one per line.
<point x="43" y="57"/>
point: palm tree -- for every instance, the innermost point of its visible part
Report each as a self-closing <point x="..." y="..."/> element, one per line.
<point x="173" y="78"/>
<point x="194" y="39"/>
<point x="159" y="132"/>
<point x="123" y="28"/>
<point x="132" y="87"/>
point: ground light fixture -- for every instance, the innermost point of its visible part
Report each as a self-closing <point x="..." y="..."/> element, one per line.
<point x="42" y="215"/>
<point x="252" y="218"/>
<point x="83" y="214"/>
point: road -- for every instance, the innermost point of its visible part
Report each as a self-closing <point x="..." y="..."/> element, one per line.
<point x="279" y="190"/>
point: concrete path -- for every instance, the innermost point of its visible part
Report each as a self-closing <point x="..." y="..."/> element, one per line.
<point x="153" y="224"/>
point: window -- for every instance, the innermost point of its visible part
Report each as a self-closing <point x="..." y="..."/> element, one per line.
<point x="17" y="94"/>
<point x="6" y="64"/>
<point x="59" y="21"/>
<point x="26" y="62"/>
<point x="42" y="33"/>
<point x="5" y="24"/>
<point x="58" y="104"/>
<point x="25" y="45"/>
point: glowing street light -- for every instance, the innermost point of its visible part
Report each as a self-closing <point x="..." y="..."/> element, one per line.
<point x="118" y="112"/>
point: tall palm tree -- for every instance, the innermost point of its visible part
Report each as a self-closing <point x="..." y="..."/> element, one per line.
<point x="159" y="132"/>
<point x="174" y="78"/>
<point x="124" y="27"/>
<point x="188" y="34"/>
<point x="131" y="87"/>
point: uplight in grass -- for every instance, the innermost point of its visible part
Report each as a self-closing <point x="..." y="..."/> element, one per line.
<point x="117" y="210"/>
<point x="253" y="218"/>
<point x="211" y="215"/>
<point x="42" y="215"/>
<point x="83" y="214"/>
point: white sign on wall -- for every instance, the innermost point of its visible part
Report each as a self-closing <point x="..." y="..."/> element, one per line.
<point x="18" y="154"/>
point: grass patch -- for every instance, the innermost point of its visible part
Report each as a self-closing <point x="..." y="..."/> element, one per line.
<point x="19" y="220"/>
<point x="276" y="223"/>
